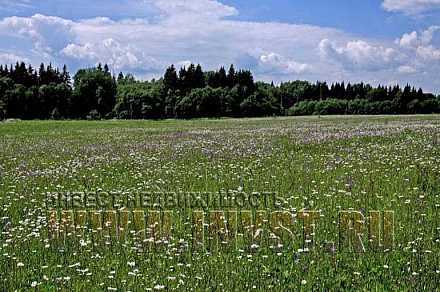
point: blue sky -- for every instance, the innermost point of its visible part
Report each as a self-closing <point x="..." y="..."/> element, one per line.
<point x="377" y="41"/>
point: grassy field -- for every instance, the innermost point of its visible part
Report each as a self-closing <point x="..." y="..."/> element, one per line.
<point x="325" y="164"/>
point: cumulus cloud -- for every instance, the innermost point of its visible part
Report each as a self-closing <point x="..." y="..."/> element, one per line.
<point x="195" y="8"/>
<point x="406" y="69"/>
<point x="409" y="40"/>
<point x="47" y="33"/>
<point x="421" y="44"/>
<point x="414" y="39"/>
<point x="411" y="7"/>
<point x="196" y="30"/>
<point x="279" y="64"/>
<point x="184" y="63"/>
<point x="113" y="53"/>
<point x="429" y="53"/>
<point x="176" y="38"/>
<point x="202" y="31"/>
<point x="9" y="58"/>
<point x="360" y="54"/>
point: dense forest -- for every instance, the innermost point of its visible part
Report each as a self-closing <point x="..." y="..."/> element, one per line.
<point x="95" y="93"/>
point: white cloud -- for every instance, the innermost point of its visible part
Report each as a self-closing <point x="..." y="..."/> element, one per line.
<point x="428" y="53"/>
<point x="195" y="8"/>
<point x="278" y="64"/>
<point x="414" y="39"/>
<point x="202" y="31"/>
<point x="427" y="35"/>
<point x="175" y="38"/>
<point x="406" y="69"/>
<point x="80" y="51"/>
<point x="411" y="7"/>
<point x="421" y="44"/>
<point x="47" y="33"/>
<point x="409" y="40"/>
<point x="360" y="54"/>
<point x="9" y="58"/>
<point x="184" y="63"/>
<point x="111" y="52"/>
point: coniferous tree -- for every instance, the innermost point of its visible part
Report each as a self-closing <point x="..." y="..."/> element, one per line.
<point x="199" y="77"/>
<point x="46" y="93"/>
<point x="222" y="78"/>
<point x="120" y="77"/>
<point x="231" y="78"/>
<point x="170" y="79"/>
<point x="182" y="81"/>
<point x="190" y="78"/>
<point x="65" y="76"/>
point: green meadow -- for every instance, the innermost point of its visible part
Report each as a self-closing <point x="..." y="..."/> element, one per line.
<point x="325" y="164"/>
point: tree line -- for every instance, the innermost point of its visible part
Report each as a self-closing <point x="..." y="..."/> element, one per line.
<point x="190" y="92"/>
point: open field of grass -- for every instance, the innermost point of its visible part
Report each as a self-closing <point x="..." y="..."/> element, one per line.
<point x="322" y="164"/>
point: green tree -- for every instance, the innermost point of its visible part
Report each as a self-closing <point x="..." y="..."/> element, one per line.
<point x="6" y="84"/>
<point x="231" y="78"/>
<point x="201" y="102"/>
<point x="170" y="79"/>
<point x="199" y="78"/>
<point x="95" y="89"/>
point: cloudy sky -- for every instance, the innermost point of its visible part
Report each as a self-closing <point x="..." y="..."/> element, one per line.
<point x="376" y="41"/>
